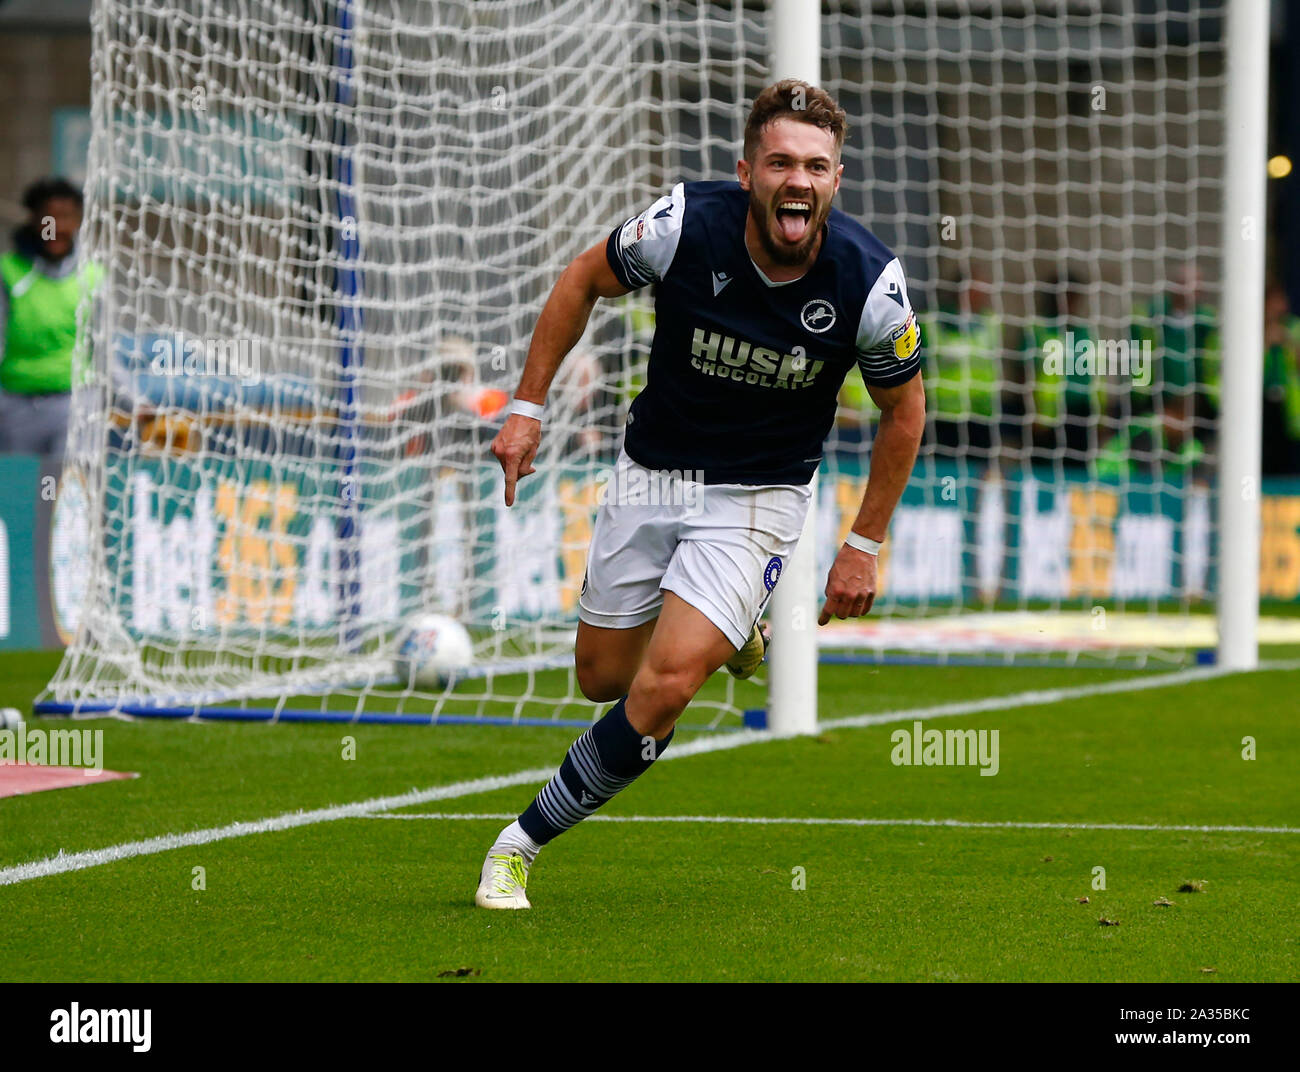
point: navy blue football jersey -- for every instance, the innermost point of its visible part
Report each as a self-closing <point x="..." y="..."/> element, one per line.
<point x="744" y="372"/>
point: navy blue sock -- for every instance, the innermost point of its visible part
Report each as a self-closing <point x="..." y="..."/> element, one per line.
<point x="607" y="758"/>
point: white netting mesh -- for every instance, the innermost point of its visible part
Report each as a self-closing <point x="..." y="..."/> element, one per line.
<point x="1051" y="175"/>
<point x="327" y="229"/>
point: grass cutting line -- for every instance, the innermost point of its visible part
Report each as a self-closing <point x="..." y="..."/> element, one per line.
<point x="80" y="861"/>
<point x="964" y="824"/>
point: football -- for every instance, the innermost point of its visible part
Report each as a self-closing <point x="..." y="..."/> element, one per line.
<point x="432" y="651"/>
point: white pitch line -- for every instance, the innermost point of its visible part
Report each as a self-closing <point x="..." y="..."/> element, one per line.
<point x="966" y="824"/>
<point x="1028" y="699"/>
<point x="79" y="861"/>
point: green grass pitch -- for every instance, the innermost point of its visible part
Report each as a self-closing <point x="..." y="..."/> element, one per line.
<point x="381" y="898"/>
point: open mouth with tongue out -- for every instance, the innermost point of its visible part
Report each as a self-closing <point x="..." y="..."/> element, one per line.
<point x="792" y="218"/>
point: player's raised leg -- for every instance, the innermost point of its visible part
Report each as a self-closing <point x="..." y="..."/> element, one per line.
<point x="684" y="649"/>
<point x="606" y="660"/>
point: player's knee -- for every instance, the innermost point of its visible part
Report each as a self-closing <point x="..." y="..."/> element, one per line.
<point x="668" y="689"/>
<point x="601" y="689"/>
<point x="596" y="680"/>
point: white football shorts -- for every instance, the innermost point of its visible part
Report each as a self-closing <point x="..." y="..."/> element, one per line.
<point x="720" y="547"/>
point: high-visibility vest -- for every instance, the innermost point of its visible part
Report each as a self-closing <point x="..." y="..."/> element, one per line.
<point x="1057" y="393"/>
<point x="853" y="395"/>
<point x="962" y="355"/>
<point x="1116" y="459"/>
<point x="41" y="332"/>
<point x="1282" y="374"/>
<point x="1187" y="350"/>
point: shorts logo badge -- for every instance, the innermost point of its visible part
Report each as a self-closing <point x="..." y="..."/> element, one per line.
<point x="772" y="574"/>
<point x="818" y="315"/>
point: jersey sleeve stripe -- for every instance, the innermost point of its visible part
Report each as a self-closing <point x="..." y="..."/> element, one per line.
<point x="888" y="372"/>
<point x="619" y="263"/>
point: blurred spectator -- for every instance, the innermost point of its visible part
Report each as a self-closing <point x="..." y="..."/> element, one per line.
<point x="1160" y="446"/>
<point x="1281" y="447"/>
<point x="962" y="340"/>
<point x="1183" y="330"/>
<point x="1065" y="405"/>
<point x="41" y="287"/>
<point x="582" y="406"/>
<point x="448" y="410"/>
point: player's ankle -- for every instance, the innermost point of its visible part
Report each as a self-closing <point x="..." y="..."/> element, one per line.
<point x="515" y="839"/>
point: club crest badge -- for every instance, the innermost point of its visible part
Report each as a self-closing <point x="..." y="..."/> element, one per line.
<point x="818" y="315"/>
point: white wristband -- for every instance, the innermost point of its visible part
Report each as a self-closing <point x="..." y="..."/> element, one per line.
<point x="527" y="409"/>
<point x="861" y="543"/>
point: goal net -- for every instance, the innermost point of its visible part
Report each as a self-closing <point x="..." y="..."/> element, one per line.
<point x="326" y="228"/>
<point x="1052" y="177"/>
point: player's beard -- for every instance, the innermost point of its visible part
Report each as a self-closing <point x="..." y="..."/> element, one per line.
<point x="783" y="253"/>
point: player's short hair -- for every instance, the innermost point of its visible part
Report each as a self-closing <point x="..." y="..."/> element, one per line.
<point x="793" y="99"/>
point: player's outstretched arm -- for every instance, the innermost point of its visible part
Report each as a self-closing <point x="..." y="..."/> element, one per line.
<point x="563" y="320"/>
<point x="851" y="584"/>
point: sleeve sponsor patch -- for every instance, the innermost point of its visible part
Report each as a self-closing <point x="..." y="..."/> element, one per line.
<point x="906" y="338"/>
<point x="642" y="249"/>
<point x="633" y="231"/>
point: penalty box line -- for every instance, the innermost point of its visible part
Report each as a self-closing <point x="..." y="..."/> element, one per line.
<point x="963" y="824"/>
<point x="80" y="861"/>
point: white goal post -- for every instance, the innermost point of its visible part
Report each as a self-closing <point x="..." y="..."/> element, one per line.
<point x="1245" y="221"/>
<point x="792" y="677"/>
